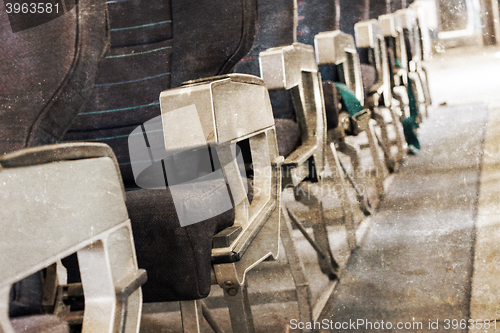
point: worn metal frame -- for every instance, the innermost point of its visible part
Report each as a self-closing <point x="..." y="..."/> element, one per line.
<point x="379" y="100"/>
<point x="232" y="108"/>
<point x="425" y="41"/>
<point x="415" y="67"/>
<point x="392" y="31"/>
<point x="56" y="203"/>
<point x="293" y="67"/>
<point x="338" y="48"/>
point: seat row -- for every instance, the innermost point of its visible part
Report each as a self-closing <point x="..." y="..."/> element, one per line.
<point x="204" y="168"/>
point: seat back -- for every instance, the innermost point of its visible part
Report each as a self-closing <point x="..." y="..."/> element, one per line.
<point x="276" y="27"/>
<point x="380" y="7"/>
<point x="317" y="16"/>
<point x="156" y="45"/>
<point x="48" y="65"/>
<point x="291" y="75"/>
<point x="369" y="36"/>
<point x="56" y="203"/>
<point x="352" y="12"/>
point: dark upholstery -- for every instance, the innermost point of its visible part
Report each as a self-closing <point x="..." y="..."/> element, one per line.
<point x="156" y="45"/>
<point x="332" y="100"/>
<point x="130" y="78"/>
<point x="176" y="258"/>
<point x="210" y="37"/>
<point x="352" y="12"/>
<point x="26" y="296"/>
<point x="287" y="135"/>
<point x="396" y="4"/>
<point x="380" y="7"/>
<point x="48" y="70"/>
<point x="315" y="16"/>
<point x="369" y="76"/>
<point x="39" y="324"/>
<point x="275" y="28"/>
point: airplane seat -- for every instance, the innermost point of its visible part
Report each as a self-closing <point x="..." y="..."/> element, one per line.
<point x="49" y="64"/>
<point x="159" y="48"/>
<point x="353" y="12"/>
<point x="274" y="26"/>
<point x="152" y="50"/>
<point x="21" y="111"/>
<point x="289" y="71"/>
<point x="368" y="76"/>
<point x="315" y="17"/>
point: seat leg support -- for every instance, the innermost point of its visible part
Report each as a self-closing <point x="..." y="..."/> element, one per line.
<point x="400" y="138"/>
<point x="191" y="314"/>
<point x="297" y="269"/>
<point x="378" y="160"/>
<point x="239" y="309"/>
<point x="341" y="189"/>
<point x="207" y="314"/>
<point x="384" y="141"/>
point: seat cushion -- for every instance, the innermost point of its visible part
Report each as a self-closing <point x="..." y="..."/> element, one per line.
<point x="177" y="259"/>
<point x="369" y="75"/>
<point x="40" y="324"/>
<point x="287" y="135"/>
<point x="332" y="100"/>
<point x="26" y="296"/>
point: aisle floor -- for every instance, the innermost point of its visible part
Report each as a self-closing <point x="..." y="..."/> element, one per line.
<point x="425" y="249"/>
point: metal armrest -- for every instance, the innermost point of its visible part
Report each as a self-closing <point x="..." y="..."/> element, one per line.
<point x="335" y="48"/>
<point x="219" y="112"/>
<point x="369" y="35"/>
<point x="68" y="198"/>
<point x="424" y="30"/>
<point x="293" y="67"/>
<point x="392" y="27"/>
<point x="409" y="25"/>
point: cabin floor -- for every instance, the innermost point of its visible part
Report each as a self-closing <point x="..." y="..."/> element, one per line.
<point x="429" y="258"/>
